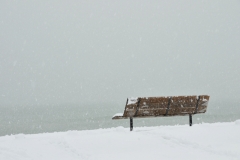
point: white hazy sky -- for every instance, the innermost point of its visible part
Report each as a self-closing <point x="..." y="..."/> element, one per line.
<point x="58" y="51"/>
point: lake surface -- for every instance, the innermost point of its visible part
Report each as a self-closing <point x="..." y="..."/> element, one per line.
<point x="56" y="118"/>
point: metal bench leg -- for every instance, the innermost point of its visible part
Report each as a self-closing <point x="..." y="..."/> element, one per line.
<point x="190" y="120"/>
<point x="131" y="123"/>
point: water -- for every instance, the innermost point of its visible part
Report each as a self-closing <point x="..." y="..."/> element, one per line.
<point x="40" y="119"/>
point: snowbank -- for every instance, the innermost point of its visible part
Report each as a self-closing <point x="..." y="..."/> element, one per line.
<point x="201" y="141"/>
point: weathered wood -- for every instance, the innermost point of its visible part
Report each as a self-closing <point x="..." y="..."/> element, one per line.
<point x="141" y="107"/>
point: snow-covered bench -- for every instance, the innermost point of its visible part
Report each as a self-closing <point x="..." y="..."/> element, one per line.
<point x="145" y="107"/>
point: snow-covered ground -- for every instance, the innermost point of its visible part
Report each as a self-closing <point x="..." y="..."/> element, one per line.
<point x="201" y="141"/>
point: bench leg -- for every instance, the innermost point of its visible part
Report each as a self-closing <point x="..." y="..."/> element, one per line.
<point x="190" y="120"/>
<point x="131" y="123"/>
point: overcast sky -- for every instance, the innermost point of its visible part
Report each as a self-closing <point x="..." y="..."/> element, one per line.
<point x="56" y="52"/>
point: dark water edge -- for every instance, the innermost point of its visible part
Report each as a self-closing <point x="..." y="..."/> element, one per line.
<point x="57" y="118"/>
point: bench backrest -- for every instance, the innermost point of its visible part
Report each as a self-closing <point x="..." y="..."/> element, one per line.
<point x="164" y="106"/>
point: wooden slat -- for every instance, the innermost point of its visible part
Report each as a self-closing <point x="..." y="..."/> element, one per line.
<point x="182" y="105"/>
<point x="152" y="106"/>
<point x="203" y="103"/>
<point x="130" y="110"/>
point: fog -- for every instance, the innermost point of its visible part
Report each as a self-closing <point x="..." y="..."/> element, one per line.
<point x="75" y="52"/>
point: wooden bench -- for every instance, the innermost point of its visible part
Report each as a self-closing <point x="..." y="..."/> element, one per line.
<point x="146" y="107"/>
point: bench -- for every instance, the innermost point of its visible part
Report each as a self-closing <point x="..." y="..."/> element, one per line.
<point x="146" y="107"/>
